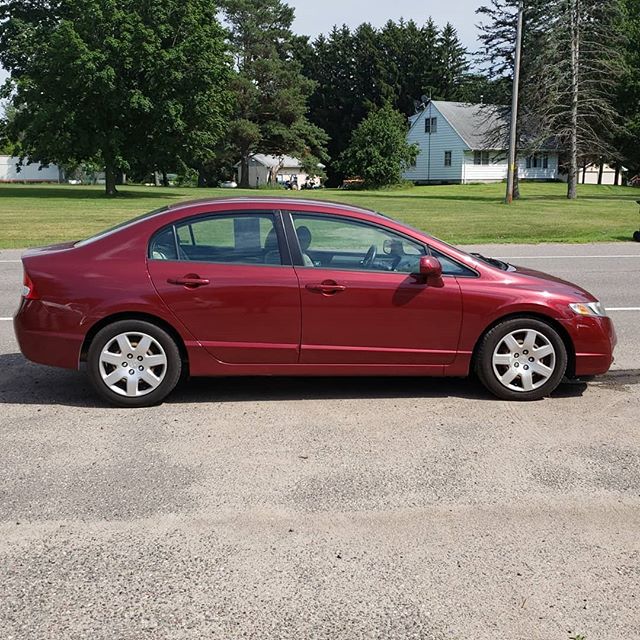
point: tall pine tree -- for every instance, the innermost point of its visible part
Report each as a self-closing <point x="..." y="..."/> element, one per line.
<point x="270" y="91"/>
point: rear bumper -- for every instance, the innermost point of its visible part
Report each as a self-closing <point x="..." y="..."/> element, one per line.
<point x="594" y="340"/>
<point x="45" y="334"/>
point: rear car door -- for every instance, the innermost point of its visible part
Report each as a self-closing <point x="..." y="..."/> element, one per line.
<point x="360" y="303"/>
<point x="228" y="278"/>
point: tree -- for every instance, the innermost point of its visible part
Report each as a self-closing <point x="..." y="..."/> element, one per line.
<point x="355" y="70"/>
<point x="270" y="91"/>
<point x="629" y="91"/>
<point x="378" y="151"/>
<point x="571" y="63"/>
<point x="453" y="58"/>
<point x="124" y="81"/>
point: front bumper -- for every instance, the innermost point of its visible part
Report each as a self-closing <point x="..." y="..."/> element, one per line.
<point x="594" y="340"/>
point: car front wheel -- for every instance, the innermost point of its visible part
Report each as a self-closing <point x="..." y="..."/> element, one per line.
<point x="133" y="363"/>
<point x="521" y="359"/>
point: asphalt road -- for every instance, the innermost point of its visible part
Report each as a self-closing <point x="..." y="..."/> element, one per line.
<point x="280" y="508"/>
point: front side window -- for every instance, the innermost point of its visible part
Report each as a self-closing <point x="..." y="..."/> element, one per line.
<point x="333" y="243"/>
<point x="449" y="266"/>
<point x="224" y="238"/>
<point x="447" y="158"/>
<point x="430" y="125"/>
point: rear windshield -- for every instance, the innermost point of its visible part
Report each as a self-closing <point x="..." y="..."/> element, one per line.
<point x="122" y="225"/>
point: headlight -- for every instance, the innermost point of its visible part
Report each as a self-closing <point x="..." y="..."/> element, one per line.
<point x="589" y="309"/>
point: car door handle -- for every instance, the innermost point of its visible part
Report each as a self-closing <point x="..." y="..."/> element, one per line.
<point x="327" y="288"/>
<point x="191" y="282"/>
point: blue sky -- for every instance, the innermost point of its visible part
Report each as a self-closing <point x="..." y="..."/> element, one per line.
<point x="314" y="18"/>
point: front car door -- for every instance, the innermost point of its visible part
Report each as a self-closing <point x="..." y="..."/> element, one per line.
<point x="228" y="278"/>
<point x="360" y="303"/>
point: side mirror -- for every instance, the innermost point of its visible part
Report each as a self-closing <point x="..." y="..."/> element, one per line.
<point x="430" y="268"/>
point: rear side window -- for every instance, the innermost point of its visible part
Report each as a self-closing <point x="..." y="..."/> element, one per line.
<point x="227" y="238"/>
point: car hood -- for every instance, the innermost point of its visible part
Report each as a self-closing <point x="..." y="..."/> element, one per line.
<point x="557" y="285"/>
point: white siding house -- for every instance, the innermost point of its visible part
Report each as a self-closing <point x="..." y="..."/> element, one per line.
<point x="33" y="172"/>
<point x="454" y="143"/>
<point x="281" y="169"/>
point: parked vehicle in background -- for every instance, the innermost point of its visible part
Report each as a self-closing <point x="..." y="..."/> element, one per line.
<point x="229" y="184"/>
<point x="283" y="286"/>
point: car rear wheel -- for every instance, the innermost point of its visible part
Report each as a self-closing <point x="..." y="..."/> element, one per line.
<point x="133" y="363"/>
<point x="521" y="359"/>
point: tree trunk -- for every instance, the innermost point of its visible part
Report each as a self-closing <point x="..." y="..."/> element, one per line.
<point x="244" y="172"/>
<point x="572" y="181"/>
<point x="165" y="179"/>
<point x="600" y="171"/>
<point x="202" y="177"/>
<point x="584" y="170"/>
<point x="110" y="179"/>
<point x="617" y="176"/>
<point x="516" y="182"/>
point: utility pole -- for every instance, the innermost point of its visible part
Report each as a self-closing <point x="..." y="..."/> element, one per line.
<point x="514" y="106"/>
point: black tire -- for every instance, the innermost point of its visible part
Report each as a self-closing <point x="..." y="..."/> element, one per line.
<point x="484" y="359"/>
<point x="636" y="236"/>
<point x="171" y="371"/>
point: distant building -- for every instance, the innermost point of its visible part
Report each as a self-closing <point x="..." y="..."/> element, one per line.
<point x="455" y="147"/>
<point x="590" y="174"/>
<point x="280" y="169"/>
<point x="33" y="172"/>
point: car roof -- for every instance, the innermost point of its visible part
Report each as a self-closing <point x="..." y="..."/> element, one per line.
<point x="280" y="202"/>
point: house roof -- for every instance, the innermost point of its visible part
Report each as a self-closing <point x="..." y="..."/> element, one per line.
<point x="276" y="161"/>
<point x="476" y="124"/>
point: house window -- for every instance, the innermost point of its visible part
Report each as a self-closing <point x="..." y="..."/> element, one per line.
<point x="447" y="158"/>
<point x="430" y="125"/>
<point x="480" y="157"/>
<point x="537" y="161"/>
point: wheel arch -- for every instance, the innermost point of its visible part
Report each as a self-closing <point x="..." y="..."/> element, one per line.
<point x="135" y="315"/>
<point x="552" y="322"/>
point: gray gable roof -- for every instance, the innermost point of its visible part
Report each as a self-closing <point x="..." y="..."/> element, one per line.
<point x="479" y="125"/>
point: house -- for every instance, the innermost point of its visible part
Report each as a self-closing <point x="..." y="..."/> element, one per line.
<point x="10" y="171"/>
<point x="265" y="169"/>
<point x="594" y="173"/>
<point x="455" y="147"/>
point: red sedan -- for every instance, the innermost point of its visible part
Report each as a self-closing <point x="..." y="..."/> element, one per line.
<point x="279" y="286"/>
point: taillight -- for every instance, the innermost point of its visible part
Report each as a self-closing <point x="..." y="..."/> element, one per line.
<point x="28" y="289"/>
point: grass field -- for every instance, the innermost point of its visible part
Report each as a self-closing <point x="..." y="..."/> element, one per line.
<point x="34" y="215"/>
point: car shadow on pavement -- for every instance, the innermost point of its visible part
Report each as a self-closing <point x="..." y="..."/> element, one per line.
<point x="22" y="382"/>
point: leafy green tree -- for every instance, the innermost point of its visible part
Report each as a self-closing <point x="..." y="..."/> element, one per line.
<point x="378" y="151"/>
<point x="355" y="70"/>
<point x="128" y="81"/>
<point x="270" y="91"/>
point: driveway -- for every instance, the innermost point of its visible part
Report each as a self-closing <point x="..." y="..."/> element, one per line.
<point x="315" y="508"/>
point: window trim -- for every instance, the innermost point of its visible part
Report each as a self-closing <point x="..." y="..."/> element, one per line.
<point x="278" y="225"/>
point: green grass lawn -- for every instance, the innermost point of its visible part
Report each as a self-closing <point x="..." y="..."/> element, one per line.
<point x="42" y="214"/>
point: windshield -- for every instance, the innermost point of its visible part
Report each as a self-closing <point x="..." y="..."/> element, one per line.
<point x="122" y="225"/>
